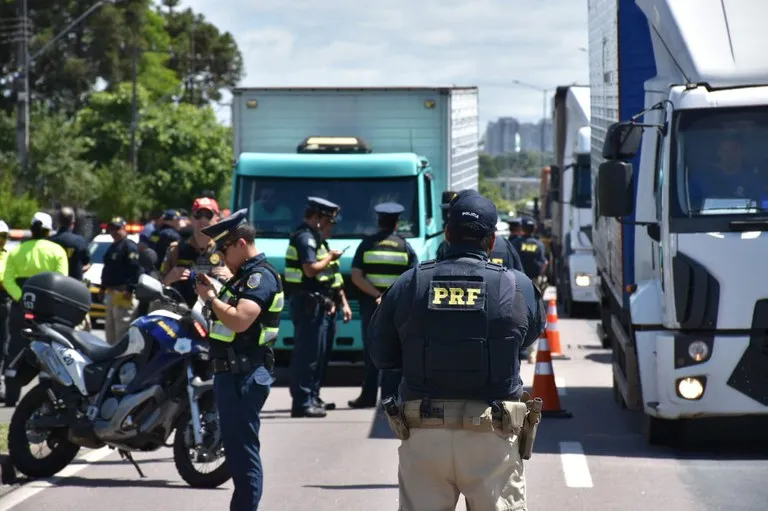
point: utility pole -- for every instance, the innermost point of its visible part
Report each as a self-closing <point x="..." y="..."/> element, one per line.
<point x="22" y="91"/>
<point x="135" y="108"/>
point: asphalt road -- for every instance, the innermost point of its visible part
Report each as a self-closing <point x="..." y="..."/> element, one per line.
<point x="597" y="460"/>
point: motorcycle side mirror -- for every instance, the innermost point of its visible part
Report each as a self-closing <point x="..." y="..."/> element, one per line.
<point x="149" y="288"/>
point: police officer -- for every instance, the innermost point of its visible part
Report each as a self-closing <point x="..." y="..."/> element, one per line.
<point x="246" y="317"/>
<point x="503" y="252"/>
<point x="36" y="255"/>
<point x="198" y="253"/>
<point x="5" y="304"/>
<point x="378" y="261"/>
<point x="119" y="277"/>
<point x="76" y="247"/>
<point x="455" y="327"/>
<point x="532" y="251"/>
<point x="167" y="234"/>
<point x="515" y="229"/>
<point x="312" y="280"/>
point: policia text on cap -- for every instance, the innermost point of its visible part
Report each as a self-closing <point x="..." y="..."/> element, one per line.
<point x="455" y="327"/>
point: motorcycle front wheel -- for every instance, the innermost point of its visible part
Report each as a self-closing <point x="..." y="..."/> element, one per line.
<point x="186" y="455"/>
<point x="21" y="436"/>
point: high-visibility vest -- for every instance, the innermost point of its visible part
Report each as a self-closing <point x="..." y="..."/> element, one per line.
<point x="295" y="279"/>
<point x="385" y="261"/>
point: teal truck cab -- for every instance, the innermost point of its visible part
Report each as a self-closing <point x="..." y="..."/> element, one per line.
<point x="295" y="143"/>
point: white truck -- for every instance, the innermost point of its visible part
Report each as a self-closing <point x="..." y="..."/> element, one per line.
<point x="679" y="124"/>
<point x="573" y="260"/>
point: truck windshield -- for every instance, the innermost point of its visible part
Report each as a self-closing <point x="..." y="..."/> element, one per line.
<point x="719" y="162"/>
<point x="582" y="187"/>
<point x="276" y="205"/>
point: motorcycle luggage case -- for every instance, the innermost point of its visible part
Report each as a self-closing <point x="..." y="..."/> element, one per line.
<point x="56" y="298"/>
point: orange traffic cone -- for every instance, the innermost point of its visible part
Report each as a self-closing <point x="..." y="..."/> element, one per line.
<point x="544" y="385"/>
<point x="553" y="332"/>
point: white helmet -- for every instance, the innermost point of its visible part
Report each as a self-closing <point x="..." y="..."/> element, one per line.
<point x="4" y="228"/>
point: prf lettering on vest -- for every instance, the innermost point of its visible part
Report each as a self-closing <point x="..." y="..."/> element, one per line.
<point x="457" y="295"/>
<point x="529" y="247"/>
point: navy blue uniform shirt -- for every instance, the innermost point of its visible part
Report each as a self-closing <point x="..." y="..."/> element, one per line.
<point x="264" y="293"/>
<point x="165" y="237"/>
<point x="77" y="251"/>
<point x="121" y="265"/>
<point x="503" y="253"/>
<point x="397" y="307"/>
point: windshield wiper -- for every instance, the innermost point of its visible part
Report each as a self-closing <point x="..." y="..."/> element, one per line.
<point x="752" y="224"/>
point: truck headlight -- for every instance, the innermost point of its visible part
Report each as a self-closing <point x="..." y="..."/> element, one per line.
<point x="698" y="351"/>
<point x="691" y="388"/>
<point x="582" y="279"/>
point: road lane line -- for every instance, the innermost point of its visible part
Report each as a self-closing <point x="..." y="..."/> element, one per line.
<point x="16" y="497"/>
<point x="561" y="389"/>
<point x="575" y="466"/>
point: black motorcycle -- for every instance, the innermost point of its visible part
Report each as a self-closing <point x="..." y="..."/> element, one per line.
<point x="130" y="396"/>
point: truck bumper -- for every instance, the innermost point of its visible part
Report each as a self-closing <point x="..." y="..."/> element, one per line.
<point x="582" y="273"/>
<point x="728" y="379"/>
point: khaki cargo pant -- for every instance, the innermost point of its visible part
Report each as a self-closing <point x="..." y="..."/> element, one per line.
<point x="437" y="464"/>
<point x="119" y="315"/>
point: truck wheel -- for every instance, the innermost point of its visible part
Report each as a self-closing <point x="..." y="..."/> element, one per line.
<point x="663" y="432"/>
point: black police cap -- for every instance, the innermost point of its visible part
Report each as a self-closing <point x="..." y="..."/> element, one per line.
<point x="220" y="231"/>
<point x="455" y="197"/>
<point x="473" y="215"/>
<point x="389" y="209"/>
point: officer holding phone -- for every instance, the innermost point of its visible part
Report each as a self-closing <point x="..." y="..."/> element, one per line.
<point x="380" y="259"/>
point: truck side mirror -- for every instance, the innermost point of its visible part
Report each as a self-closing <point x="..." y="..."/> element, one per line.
<point x="622" y="141"/>
<point x="614" y="189"/>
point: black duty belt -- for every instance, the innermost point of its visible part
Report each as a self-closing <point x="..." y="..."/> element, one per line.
<point x="237" y="363"/>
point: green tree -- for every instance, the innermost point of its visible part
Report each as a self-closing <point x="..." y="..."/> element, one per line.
<point x="182" y="148"/>
<point x="15" y="210"/>
<point x="205" y="59"/>
<point x="487" y="165"/>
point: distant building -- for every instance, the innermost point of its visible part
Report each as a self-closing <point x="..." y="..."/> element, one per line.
<point x="508" y="135"/>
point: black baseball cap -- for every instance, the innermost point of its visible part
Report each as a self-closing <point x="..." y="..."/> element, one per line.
<point x="472" y="215"/>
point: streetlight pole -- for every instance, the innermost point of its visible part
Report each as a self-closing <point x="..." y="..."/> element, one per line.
<point x="543" y="114"/>
<point x="22" y="76"/>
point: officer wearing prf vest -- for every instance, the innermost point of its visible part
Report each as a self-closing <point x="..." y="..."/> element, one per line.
<point x="455" y="327"/>
<point x="503" y="252"/>
<point x="378" y="261"/>
<point x="198" y="253"/>
<point x="246" y="316"/>
<point x="531" y="249"/>
<point x="314" y="283"/>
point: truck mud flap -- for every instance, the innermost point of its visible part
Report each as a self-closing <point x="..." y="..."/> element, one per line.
<point x="625" y="366"/>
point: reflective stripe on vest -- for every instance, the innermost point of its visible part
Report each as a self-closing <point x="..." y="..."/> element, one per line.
<point x="218" y="331"/>
<point x="294" y="273"/>
<point x="385" y="261"/>
<point x="385" y="257"/>
<point x="381" y="280"/>
<point x="268" y="334"/>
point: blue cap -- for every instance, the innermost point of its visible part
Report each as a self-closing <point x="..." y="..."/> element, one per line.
<point x="528" y="222"/>
<point x="514" y="222"/>
<point x="220" y="231"/>
<point x="323" y="206"/>
<point x="171" y="214"/>
<point x="472" y="215"/>
<point x="389" y="209"/>
<point x="117" y="221"/>
<point x="456" y="197"/>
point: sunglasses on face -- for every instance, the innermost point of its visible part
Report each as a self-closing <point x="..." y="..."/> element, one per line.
<point x="203" y="213"/>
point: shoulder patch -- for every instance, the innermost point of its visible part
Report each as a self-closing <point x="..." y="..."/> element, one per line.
<point x="133" y="255"/>
<point x="429" y="263"/>
<point x="311" y="242"/>
<point x="457" y="295"/>
<point x="495" y="264"/>
<point x="254" y="281"/>
<point x="215" y="258"/>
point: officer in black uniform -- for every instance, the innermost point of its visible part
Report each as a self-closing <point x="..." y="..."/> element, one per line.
<point x="531" y="249"/>
<point x="515" y="229"/>
<point x="246" y="317"/>
<point x="455" y="328"/>
<point x="167" y="234"/>
<point x="310" y="273"/>
<point x="503" y="252"/>
<point x="75" y="245"/>
<point x="378" y="261"/>
<point x="119" y="277"/>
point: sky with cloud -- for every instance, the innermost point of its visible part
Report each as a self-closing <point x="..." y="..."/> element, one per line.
<point x="488" y="43"/>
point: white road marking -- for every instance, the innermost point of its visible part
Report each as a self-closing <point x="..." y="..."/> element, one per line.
<point x="575" y="466"/>
<point x="561" y="390"/>
<point x="31" y="489"/>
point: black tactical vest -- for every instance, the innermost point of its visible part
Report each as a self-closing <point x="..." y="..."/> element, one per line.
<point x="295" y="280"/>
<point x="460" y="343"/>
<point x="384" y="261"/>
<point x="190" y="257"/>
<point x="530" y="255"/>
<point x="263" y="332"/>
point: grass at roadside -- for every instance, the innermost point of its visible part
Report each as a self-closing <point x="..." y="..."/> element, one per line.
<point x="4" y="438"/>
